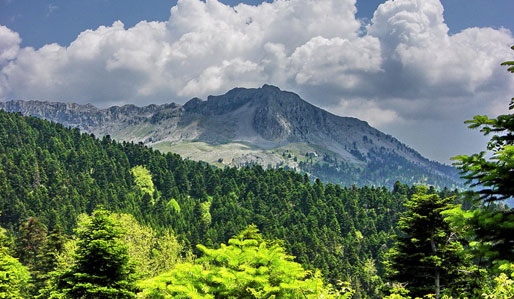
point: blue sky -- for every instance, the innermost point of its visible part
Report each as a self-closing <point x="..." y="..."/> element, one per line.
<point x="415" y="69"/>
<point x="42" y="22"/>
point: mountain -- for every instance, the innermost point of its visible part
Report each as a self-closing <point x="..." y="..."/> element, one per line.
<point x="56" y="174"/>
<point x="265" y="126"/>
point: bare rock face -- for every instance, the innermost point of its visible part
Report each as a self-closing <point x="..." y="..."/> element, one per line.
<point x="267" y="119"/>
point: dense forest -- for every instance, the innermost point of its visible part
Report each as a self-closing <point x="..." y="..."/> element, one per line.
<point x="53" y="177"/>
<point x="55" y="174"/>
<point x="88" y="218"/>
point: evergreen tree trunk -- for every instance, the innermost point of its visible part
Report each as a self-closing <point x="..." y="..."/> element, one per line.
<point x="437" y="275"/>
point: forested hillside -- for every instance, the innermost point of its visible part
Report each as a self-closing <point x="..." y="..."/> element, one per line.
<point x="55" y="174"/>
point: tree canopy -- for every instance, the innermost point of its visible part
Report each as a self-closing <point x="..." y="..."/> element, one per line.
<point x="427" y="255"/>
<point x="248" y="267"/>
<point x="102" y="267"/>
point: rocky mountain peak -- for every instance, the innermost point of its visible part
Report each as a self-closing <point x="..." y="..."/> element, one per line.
<point x="266" y="120"/>
<point x="193" y="104"/>
<point x="267" y="96"/>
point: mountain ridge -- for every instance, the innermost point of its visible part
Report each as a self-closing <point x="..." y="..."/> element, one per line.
<point x="271" y="127"/>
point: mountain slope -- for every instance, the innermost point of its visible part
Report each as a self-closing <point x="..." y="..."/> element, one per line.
<point x="264" y="126"/>
<point x="56" y="174"/>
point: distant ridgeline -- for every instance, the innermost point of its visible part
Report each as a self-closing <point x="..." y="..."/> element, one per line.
<point x="55" y="173"/>
<point x="265" y="126"/>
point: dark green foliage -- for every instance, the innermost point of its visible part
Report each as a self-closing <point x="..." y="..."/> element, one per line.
<point x="32" y="237"/>
<point x="427" y="255"/>
<point x="102" y="268"/>
<point x="31" y="250"/>
<point x="483" y="221"/>
<point x="56" y="174"/>
<point x="47" y="259"/>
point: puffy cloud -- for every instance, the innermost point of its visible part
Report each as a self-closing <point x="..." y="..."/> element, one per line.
<point x="403" y="66"/>
<point x="368" y="110"/>
<point x="335" y="61"/>
<point x="9" y="44"/>
<point x="217" y="77"/>
<point x="425" y="61"/>
<point x="204" y="48"/>
<point x="9" y="48"/>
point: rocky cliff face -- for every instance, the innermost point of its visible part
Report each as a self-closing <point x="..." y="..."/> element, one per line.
<point x="270" y="126"/>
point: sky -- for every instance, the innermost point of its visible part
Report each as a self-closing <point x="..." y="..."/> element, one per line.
<point x="415" y="69"/>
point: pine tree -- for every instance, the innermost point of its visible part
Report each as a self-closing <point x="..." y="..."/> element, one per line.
<point x="102" y="268"/>
<point x="426" y="256"/>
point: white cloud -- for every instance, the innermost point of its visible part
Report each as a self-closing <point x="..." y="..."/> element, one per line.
<point x="9" y="44"/>
<point x="425" y="61"/>
<point x="204" y="48"/>
<point x="368" y="110"/>
<point x="405" y="66"/>
<point x="9" y="48"/>
<point x="335" y="61"/>
<point x="216" y="77"/>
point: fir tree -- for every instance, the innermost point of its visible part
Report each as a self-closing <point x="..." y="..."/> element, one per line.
<point x="47" y="258"/>
<point x="426" y="256"/>
<point x="102" y="268"/>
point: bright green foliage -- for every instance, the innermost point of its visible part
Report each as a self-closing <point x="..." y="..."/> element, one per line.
<point x="205" y="215"/>
<point x="14" y="277"/>
<point x="66" y="259"/>
<point x="503" y="288"/>
<point x="372" y="282"/>
<point x="102" y="268"/>
<point x="249" y="267"/>
<point x="174" y="206"/>
<point x="494" y="287"/>
<point x="398" y="293"/>
<point x="47" y="259"/>
<point x="30" y="245"/>
<point x="427" y="256"/>
<point x="487" y="232"/>
<point x="143" y="179"/>
<point x="151" y="253"/>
